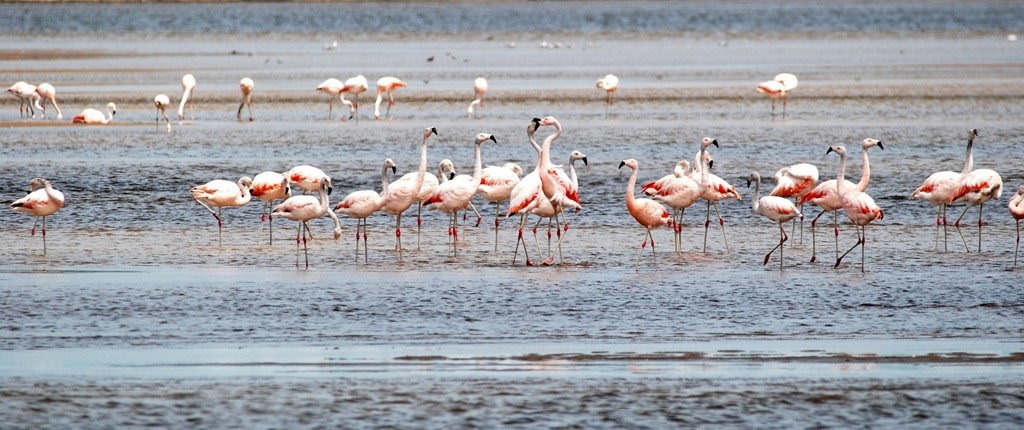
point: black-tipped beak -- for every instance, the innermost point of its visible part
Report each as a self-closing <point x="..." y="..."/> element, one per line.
<point x="714" y="142"/>
<point x="493" y="139"/>
<point x="880" y="145"/>
<point x="329" y="189"/>
<point x="451" y="176"/>
<point x="748" y="183"/>
<point x="585" y="161"/>
<point x="536" y="120"/>
<point x="622" y="163"/>
<point x="394" y="170"/>
<point x="711" y="164"/>
<point x="829" y="150"/>
<point x="433" y="130"/>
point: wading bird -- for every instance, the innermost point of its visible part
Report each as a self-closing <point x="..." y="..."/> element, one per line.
<point x="649" y="213"/>
<point x="221" y="193"/>
<point x="940" y="185"/>
<point x="188" y="85"/>
<point x="162" y="101"/>
<point x="778" y="88"/>
<point x="361" y="204"/>
<point x="479" y="89"/>
<point x="402" y="193"/>
<point x="775" y="208"/>
<point x="269" y="187"/>
<point x="48" y="92"/>
<point x="42" y="201"/>
<point x="246" y="86"/>
<point x="860" y="208"/>
<point x="387" y="84"/>
<point x="304" y="209"/>
<point x="93" y="116"/>
<point x="455" y="194"/>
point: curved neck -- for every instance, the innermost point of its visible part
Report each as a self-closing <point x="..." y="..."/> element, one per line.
<point x="545" y="150"/>
<point x="840" y="189"/>
<point x="969" y="161"/>
<point x="865" y="172"/>
<point x="630" y="199"/>
<point x="757" y="193"/>
<point x="533" y="141"/>
<point x="245" y="191"/>
<point x="184" y="99"/>
<point x="376" y="105"/>
<point x="572" y="173"/>
<point x="384" y="181"/>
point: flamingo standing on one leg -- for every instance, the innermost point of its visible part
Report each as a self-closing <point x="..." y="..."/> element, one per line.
<point x="361" y="204"/>
<point x="269" y="187"/>
<point x="188" y="85"/>
<point x="718" y="189"/>
<point x="304" y="209"/>
<point x="496" y="184"/>
<point x="775" y="208"/>
<point x="455" y="194"/>
<point x="332" y="87"/>
<point x="401" y="194"/>
<point x="221" y="193"/>
<point x="860" y="208"/>
<point x="796" y="181"/>
<point x="778" y="88"/>
<point x="940" y="185"/>
<point x="479" y="89"/>
<point x="649" y="213"/>
<point x="827" y="198"/>
<point x="93" y="116"/>
<point x="975" y="188"/>
<point x="355" y="85"/>
<point x="48" y="92"/>
<point x="1017" y="212"/>
<point x="246" y="86"/>
<point x="609" y="83"/>
<point x="387" y="84"/>
<point x="162" y="101"/>
<point x="42" y="201"/>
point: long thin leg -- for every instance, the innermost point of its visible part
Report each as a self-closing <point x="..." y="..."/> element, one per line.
<point x="366" y="244"/>
<point x="957" y="224"/>
<point x="860" y="242"/>
<point x="1018" y="245"/>
<point x="220" y="224"/>
<point x="391" y="101"/>
<point x="358" y="223"/>
<point x="707" y="222"/>
<point x="863" y="243"/>
<point x="398" y="236"/>
<point x="44" y="236"/>
<point x="419" y="223"/>
<point x="782" y="239"/>
<point x="643" y="246"/>
<point x="305" y="247"/>
<point x="455" y="232"/>
<point x="270" y="215"/>
<point x="945" y="241"/>
<point x="721" y="222"/>
<point x="497" y="210"/>
<point x="938" y="225"/>
<point x="526" y="252"/>
<point x="814" y="249"/>
<point x="835" y="222"/>
<point x="981" y="208"/>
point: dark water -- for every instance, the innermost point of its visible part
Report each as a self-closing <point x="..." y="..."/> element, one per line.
<point x="135" y="317"/>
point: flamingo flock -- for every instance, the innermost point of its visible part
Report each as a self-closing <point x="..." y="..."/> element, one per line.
<point x="547" y="191"/>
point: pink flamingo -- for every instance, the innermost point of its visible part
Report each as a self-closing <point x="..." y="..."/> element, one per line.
<point x="361" y="204"/>
<point x="546" y="210"/>
<point x="940" y="185"/>
<point x="794" y="182"/>
<point x="26" y="94"/>
<point x="308" y="178"/>
<point x="827" y="198"/>
<point x="1017" y="212"/>
<point x="860" y="208"/>
<point x="42" y="201"/>
<point x="269" y="187"/>
<point x="775" y="208"/>
<point x="523" y="195"/>
<point x="246" y="86"/>
<point x="48" y="92"/>
<point x="479" y="89"/>
<point x="332" y="87"/>
<point x="496" y="184"/>
<point x="778" y="88"/>
<point x="975" y="188"/>
<point x="649" y="213"/>
<point x="455" y="195"/>
<point x="403" y="193"/>
<point x="680" y="192"/>
<point x="355" y="85"/>
<point x="93" y="116"/>
<point x="387" y="84"/>
<point x="609" y="83"/>
<point x="306" y="208"/>
<point x="221" y="193"/>
<point x="188" y="85"/>
<point x="718" y="189"/>
<point x="162" y="101"/>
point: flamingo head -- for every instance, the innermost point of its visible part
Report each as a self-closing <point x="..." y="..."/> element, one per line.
<point x="325" y="184"/>
<point x="972" y="133"/>
<point x="550" y="120"/>
<point x="390" y="163"/>
<point x="577" y="155"/>
<point x="708" y="141"/>
<point x="446" y="169"/>
<point x="838" y="149"/>
<point x="112" y="108"/>
<point x="631" y="163"/>
<point x="480" y="138"/>
<point x="245" y="182"/>
<point x="37" y="183"/>
<point x="515" y="168"/>
<point x="427" y="131"/>
<point x="754" y="178"/>
<point x="533" y="126"/>
<point x="869" y="142"/>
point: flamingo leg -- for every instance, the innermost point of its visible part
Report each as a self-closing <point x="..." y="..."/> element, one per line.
<point x="220" y="227"/>
<point x="938" y="225"/>
<point x="536" y="242"/>
<point x="497" y="210"/>
<point x="355" y="107"/>
<point x="957" y="225"/>
<point x="419" y="224"/>
<point x="526" y="252"/>
<point x="643" y="246"/>
<point x="721" y="222"/>
<point x="305" y="247"/>
<point x="455" y="235"/>
<point x="835" y="221"/>
<point x="34" y="225"/>
<point x="1017" y="248"/>
<point x="271" y="223"/>
<point x="478" y="217"/>
<point x="707" y="222"/>
<point x="945" y="242"/>
<point x="814" y="249"/>
<point x="980" y="209"/>
<point x="44" y="235"/>
<point x="398" y="236"/>
<point x="391" y="101"/>
<point x="860" y="242"/>
<point x="366" y="245"/>
<point x="782" y="240"/>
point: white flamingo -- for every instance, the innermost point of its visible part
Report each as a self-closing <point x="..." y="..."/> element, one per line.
<point x="976" y="187"/>
<point x="306" y="208"/>
<point x="29" y="98"/>
<point x="188" y="85"/>
<point x="455" y="194"/>
<point x="1017" y="212"/>
<point x="681" y="191"/>
<point x="794" y="182"/>
<point x="778" y="88"/>
<point x="361" y="204"/>
<point x="308" y="178"/>
<point x="42" y="201"/>
<point x="162" y="101"/>
<point x="355" y="85"/>
<point x="609" y="83"/>
<point x="940" y="185"/>
<point x="269" y="187"/>
<point x="860" y="208"/>
<point x="387" y="84"/>
<point x="649" y="213"/>
<point x="496" y="184"/>
<point x="48" y="92"/>
<point x="547" y="210"/>
<point x="221" y="193"/>
<point x="246" y="86"/>
<point x="332" y="87"/>
<point x="403" y="193"/>
<point x="479" y="89"/>
<point x="93" y="116"/>
<point x="775" y="208"/>
<point x="718" y="189"/>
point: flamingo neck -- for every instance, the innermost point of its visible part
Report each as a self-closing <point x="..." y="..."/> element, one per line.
<point x="376" y="105"/>
<point x="969" y="161"/>
<point x="757" y="193"/>
<point x="865" y="175"/>
<point x="704" y="169"/>
<point x="477" y="166"/>
<point x="384" y="183"/>
<point x="840" y="189"/>
<point x="533" y="141"/>
<point x="422" y="172"/>
<point x="630" y="198"/>
<point x="184" y="99"/>
<point x="572" y="173"/>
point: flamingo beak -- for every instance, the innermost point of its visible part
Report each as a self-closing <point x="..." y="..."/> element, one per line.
<point x="714" y="142"/>
<point x="880" y="145"/>
<point x="433" y="130"/>
<point x="585" y="161"/>
<point x="394" y="170"/>
<point x="622" y="163"/>
<point x="451" y="176"/>
<point x="829" y="150"/>
<point x="493" y="139"/>
<point x="711" y="164"/>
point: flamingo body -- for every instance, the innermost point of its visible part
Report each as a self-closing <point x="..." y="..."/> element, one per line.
<point x="308" y="178"/>
<point x="48" y="92"/>
<point x="93" y="116"/>
<point x="386" y="85"/>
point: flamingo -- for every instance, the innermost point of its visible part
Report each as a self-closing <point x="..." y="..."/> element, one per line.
<point x="680" y="191"/>
<point x="246" y="86"/>
<point x="26" y="94"/>
<point x="718" y="189"/>
<point x="188" y="84"/>
<point x="827" y="198"/>
<point x="332" y="87"/>
<point x="795" y="181"/>
<point x="308" y="178"/>
<point x="940" y="185"/>
<point x="546" y="210"/>
<point x="304" y="209"/>
<point x="975" y="188"/>
<point x="522" y="196"/>
<point x="775" y="208"/>
<point x="221" y="193"/>
<point x="42" y="201"/>
<point x="649" y="213"/>
<point x="361" y="204"/>
<point x="403" y="193"/>
<point x="93" y="116"/>
<point x="1017" y="212"/>
<point x="778" y="88"/>
<point x="479" y="89"/>
<point x="609" y="83"/>
<point x="355" y="85"/>
<point x="162" y="101"/>
<point x="455" y="194"/>
<point x="496" y="184"/>
<point x="268" y="187"/>
<point x="48" y="92"/>
<point x="860" y="208"/>
<point x="387" y="84"/>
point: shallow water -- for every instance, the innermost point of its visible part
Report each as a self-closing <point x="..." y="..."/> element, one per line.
<point x="136" y="317"/>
